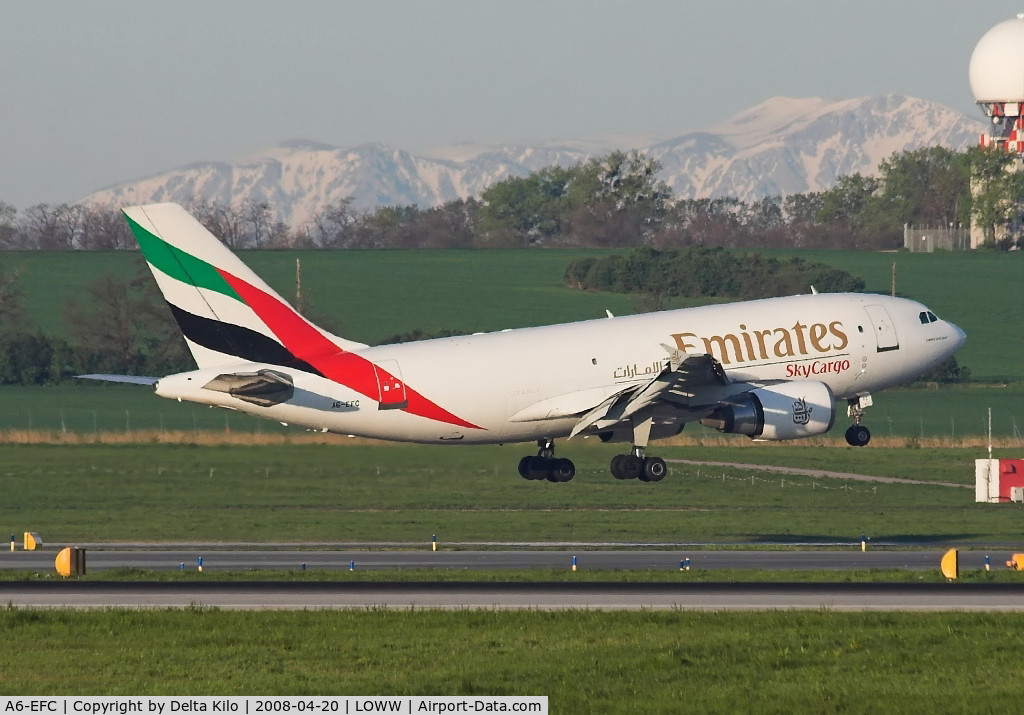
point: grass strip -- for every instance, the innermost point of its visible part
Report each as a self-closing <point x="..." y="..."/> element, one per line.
<point x="584" y="661"/>
<point x="71" y="494"/>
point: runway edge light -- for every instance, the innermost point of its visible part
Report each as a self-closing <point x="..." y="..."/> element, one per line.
<point x="949" y="565"/>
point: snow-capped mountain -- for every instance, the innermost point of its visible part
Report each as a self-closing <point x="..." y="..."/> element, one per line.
<point x="782" y="146"/>
<point x="787" y="146"/>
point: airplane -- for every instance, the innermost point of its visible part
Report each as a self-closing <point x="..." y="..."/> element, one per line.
<point x="771" y="369"/>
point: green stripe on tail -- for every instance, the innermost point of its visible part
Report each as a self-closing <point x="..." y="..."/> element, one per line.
<point x="180" y="265"/>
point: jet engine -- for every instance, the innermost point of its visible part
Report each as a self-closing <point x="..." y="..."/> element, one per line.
<point x="789" y="410"/>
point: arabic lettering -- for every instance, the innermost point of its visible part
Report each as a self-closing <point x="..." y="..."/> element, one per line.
<point x="634" y="370"/>
<point x="801" y="412"/>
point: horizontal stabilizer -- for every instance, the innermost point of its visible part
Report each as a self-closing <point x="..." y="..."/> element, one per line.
<point x="132" y="379"/>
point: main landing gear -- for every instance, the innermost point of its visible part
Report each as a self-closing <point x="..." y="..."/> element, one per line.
<point x="545" y="465"/>
<point x="858" y="435"/>
<point x="636" y="466"/>
<point x="624" y="466"/>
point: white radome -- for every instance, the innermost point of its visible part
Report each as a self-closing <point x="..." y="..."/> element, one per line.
<point x="997" y="64"/>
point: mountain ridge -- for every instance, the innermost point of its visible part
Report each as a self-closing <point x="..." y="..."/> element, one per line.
<point x="782" y="146"/>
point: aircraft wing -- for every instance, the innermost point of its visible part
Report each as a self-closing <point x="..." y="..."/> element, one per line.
<point x="676" y="384"/>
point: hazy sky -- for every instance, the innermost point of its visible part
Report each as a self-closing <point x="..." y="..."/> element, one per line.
<point x="95" y="93"/>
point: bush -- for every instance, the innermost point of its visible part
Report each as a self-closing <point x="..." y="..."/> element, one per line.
<point x="699" y="272"/>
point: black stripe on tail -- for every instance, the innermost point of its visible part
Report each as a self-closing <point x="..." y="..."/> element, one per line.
<point x="235" y="340"/>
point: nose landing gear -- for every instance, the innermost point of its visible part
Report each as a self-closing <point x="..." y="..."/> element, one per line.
<point x="858" y="435"/>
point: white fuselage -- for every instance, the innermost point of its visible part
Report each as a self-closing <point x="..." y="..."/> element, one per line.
<point x="532" y="383"/>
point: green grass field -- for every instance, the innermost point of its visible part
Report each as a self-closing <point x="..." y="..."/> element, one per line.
<point x="655" y="661"/>
<point x="365" y="295"/>
<point x="407" y="493"/>
<point x="585" y="662"/>
<point x="370" y="295"/>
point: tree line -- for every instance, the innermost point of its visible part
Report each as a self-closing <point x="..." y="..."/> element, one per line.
<point x="613" y="201"/>
<point x="120" y="325"/>
<point x="699" y="271"/>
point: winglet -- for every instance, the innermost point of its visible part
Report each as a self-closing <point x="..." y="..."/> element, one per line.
<point x="675" y="357"/>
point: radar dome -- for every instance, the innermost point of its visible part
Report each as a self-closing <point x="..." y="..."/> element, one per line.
<point x="997" y="64"/>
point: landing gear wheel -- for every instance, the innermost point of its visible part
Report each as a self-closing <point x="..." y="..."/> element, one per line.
<point x="654" y="469"/>
<point x="545" y="465"/>
<point x="627" y="466"/>
<point x="524" y="467"/>
<point x="632" y="466"/>
<point x="535" y="468"/>
<point x="858" y="435"/>
<point x="562" y="470"/>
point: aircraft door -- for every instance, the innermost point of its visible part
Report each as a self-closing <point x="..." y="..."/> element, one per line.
<point x="885" y="332"/>
<point x="390" y="386"/>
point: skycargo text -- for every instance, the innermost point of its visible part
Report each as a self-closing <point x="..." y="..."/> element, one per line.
<point x="818" y="367"/>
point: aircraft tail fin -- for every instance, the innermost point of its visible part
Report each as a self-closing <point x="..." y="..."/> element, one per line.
<point x="226" y="312"/>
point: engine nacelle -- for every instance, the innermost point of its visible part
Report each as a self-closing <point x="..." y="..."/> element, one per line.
<point x="789" y="410"/>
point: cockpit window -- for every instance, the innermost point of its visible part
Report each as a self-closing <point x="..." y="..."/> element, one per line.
<point x="926" y="316"/>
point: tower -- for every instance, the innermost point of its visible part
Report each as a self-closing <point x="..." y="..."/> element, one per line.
<point x="996" y="76"/>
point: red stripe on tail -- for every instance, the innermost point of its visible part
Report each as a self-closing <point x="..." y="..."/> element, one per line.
<point x="307" y="343"/>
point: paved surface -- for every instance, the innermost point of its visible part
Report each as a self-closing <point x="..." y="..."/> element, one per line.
<point x="99" y="559"/>
<point x="686" y="593"/>
<point x="824" y="474"/>
<point x="535" y="596"/>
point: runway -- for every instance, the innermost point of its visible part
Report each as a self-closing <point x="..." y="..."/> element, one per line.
<point x="216" y="557"/>
<point x="692" y="590"/>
